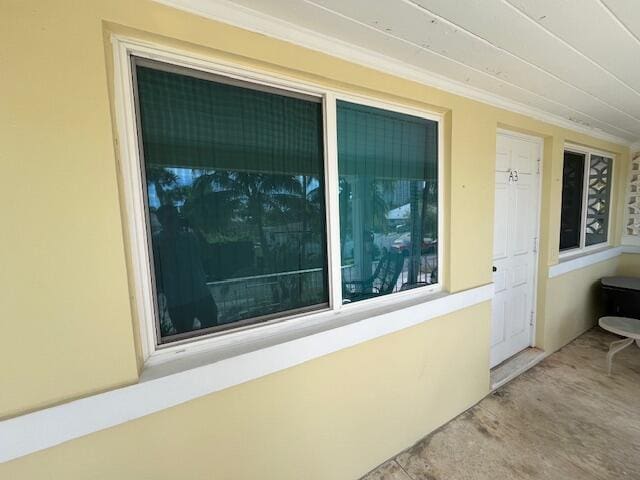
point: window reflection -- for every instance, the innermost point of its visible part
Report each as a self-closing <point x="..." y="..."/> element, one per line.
<point x="235" y="202"/>
<point x="255" y="241"/>
<point x="571" y="212"/>
<point x="388" y="201"/>
<point x="181" y="280"/>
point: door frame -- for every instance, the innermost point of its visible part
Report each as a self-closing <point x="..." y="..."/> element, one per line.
<point x="540" y="142"/>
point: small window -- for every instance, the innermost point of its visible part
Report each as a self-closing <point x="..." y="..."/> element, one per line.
<point x="388" y="184"/>
<point x="586" y="194"/>
<point x="235" y="201"/>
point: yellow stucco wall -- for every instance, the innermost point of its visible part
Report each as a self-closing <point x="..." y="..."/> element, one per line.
<point x="67" y="326"/>
<point x="573" y="303"/>
<point x="629" y="265"/>
<point x="573" y="300"/>
<point x="333" y="418"/>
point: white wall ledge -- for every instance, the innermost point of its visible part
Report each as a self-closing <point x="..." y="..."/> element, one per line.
<point x="587" y="259"/>
<point x="167" y="385"/>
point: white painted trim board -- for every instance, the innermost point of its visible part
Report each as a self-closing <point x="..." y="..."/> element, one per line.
<point x="46" y="428"/>
<point x="570" y="264"/>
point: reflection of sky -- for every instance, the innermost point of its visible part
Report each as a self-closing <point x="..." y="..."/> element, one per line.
<point x="185" y="177"/>
<point x="154" y="201"/>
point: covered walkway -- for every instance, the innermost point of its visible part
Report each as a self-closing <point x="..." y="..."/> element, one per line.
<point x="563" y="419"/>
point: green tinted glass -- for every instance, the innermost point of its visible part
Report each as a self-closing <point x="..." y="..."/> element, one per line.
<point x="571" y="210"/>
<point x="235" y="189"/>
<point x="388" y="184"/>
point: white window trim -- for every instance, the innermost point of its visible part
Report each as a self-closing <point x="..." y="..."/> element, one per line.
<point x="587" y="249"/>
<point x="124" y="48"/>
<point x="571" y="264"/>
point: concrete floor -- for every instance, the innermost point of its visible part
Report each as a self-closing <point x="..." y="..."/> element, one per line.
<point x="563" y="419"/>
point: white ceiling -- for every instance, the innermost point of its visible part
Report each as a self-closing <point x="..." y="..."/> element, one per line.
<point x="573" y="61"/>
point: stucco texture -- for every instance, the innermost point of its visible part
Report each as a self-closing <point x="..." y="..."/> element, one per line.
<point x="68" y="328"/>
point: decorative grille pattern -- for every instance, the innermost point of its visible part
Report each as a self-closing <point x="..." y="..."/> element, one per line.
<point x="632" y="226"/>
<point x="597" y="222"/>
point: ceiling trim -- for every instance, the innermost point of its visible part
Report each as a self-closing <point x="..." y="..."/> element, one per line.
<point x="479" y="71"/>
<point x="533" y="65"/>
<point x="245" y="18"/>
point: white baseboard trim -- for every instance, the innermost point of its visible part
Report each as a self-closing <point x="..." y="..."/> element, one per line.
<point x="630" y="249"/>
<point x="582" y="261"/>
<point x="631" y="241"/>
<point x="29" y="433"/>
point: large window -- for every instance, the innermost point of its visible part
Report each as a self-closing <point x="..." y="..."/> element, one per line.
<point x="586" y="196"/>
<point x="237" y="207"/>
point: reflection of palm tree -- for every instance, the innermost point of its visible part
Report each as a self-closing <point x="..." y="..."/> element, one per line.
<point x="209" y="209"/>
<point x="260" y="197"/>
<point x="218" y="199"/>
<point x="312" y="213"/>
<point x="166" y="184"/>
<point x="374" y="202"/>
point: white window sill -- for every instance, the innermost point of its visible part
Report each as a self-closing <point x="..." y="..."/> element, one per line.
<point x="191" y="376"/>
<point x="583" y="252"/>
<point x="580" y="259"/>
<point x="325" y="333"/>
<point x="195" y="352"/>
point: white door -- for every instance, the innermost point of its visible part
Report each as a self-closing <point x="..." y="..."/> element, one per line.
<point x="514" y="245"/>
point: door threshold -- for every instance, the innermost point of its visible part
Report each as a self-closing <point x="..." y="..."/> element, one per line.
<point x="514" y="366"/>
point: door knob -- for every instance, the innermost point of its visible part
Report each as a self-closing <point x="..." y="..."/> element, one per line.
<point x="494" y="268"/>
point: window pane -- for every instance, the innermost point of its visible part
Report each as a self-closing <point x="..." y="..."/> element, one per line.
<point x="388" y="169"/>
<point x="598" y="200"/>
<point x="235" y="190"/>
<point x="572" y="187"/>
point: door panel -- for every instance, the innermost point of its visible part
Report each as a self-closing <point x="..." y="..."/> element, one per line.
<point x="503" y="157"/>
<point x="514" y="256"/>
<point x="519" y="321"/>
<point x="519" y="275"/>
<point x="522" y="213"/>
<point x="499" y="316"/>
<point x="499" y="282"/>
<point x="522" y="153"/>
<point x="501" y="240"/>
